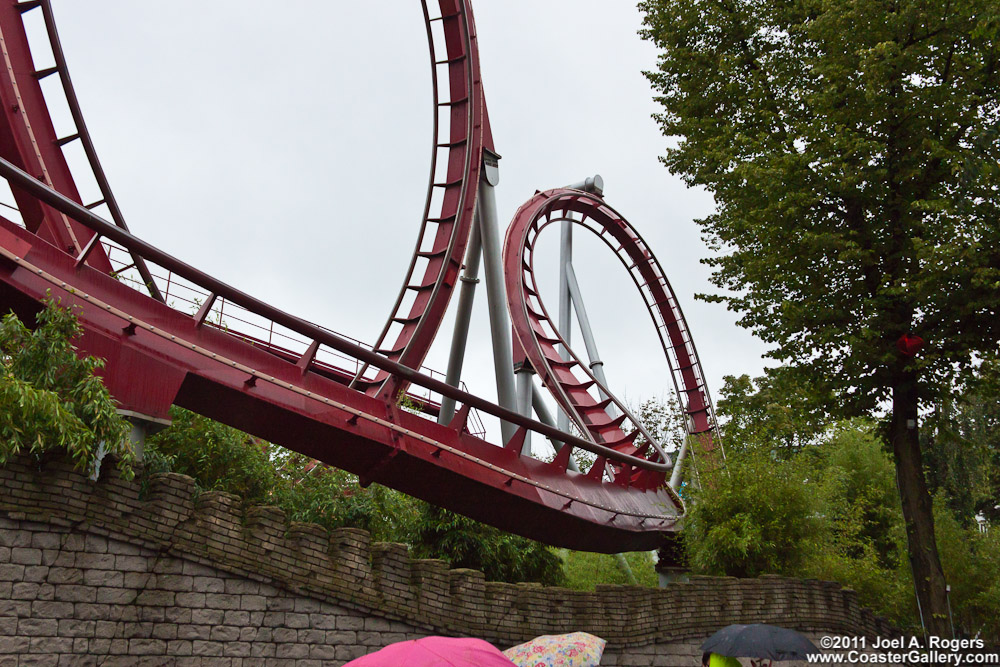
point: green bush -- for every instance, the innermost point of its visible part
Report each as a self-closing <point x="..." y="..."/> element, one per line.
<point x="333" y="498"/>
<point x="754" y="516"/>
<point x="464" y="542"/>
<point x="52" y="399"/>
<point x="864" y="545"/>
<point x="971" y="562"/>
<point x="218" y="457"/>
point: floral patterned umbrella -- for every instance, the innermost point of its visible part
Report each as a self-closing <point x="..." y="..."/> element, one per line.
<point x="576" y="649"/>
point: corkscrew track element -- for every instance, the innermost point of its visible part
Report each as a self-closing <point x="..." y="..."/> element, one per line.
<point x="567" y="377"/>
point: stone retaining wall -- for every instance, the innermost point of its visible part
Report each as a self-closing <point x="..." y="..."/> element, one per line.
<point x="92" y="574"/>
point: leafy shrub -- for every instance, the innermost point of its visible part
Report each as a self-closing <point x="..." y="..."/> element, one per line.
<point x="865" y="543"/>
<point x="52" y="399"/>
<point x="218" y="457"/>
<point x="971" y="562"/>
<point x="464" y="542"/>
<point x="753" y="516"/>
<point x="333" y="498"/>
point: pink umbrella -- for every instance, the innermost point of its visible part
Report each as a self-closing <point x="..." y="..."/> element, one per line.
<point x="435" y="652"/>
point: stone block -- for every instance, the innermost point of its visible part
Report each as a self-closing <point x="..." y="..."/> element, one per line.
<point x="233" y="617"/>
<point x="38" y="627"/>
<point x="25" y="591"/>
<point x="342" y="637"/>
<point x="92" y="612"/>
<point x="193" y="600"/>
<point x="49" y="609"/>
<point x="346" y="653"/>
<point x="350" y="623"/>
<point x="96" y="561"/>
<point x="312" y="636"/>
<point x="323" y="652"/>
<point x="107" y="595"/>
<point x="208" y="585"/>
<point x="225" y="633"/>
<point x="253" y="602"/>
<point x="165" y="631"/>
<point x="179" y="647"/>
<point x="25" y="556"/>
<point x="192" y="632"/>
<point x="177" y="615"/>
<point x="75" y="593"/>
<point x="206" y="648"/>
<point x="292" y="651"/>
<point x="154" y="614"/>
<point x="285" y="635"/>
<point x="237" y="649"/>
<point x="293" y="620"/>
<point x="175" y="582"/>
<point x="14" y="538"/>
<point x="147" y="647"/>
<point x="10" y="645"/>
<point x="45" y="540"/>
<point x="156" y="598"/>
<point x="222" y="601"/>
<point x="207" y="616"/>
<point x="101" y="578"/>
<point x="96" y="544"/>
<point x="37" y="573"/>
<point x="126" y="563"/>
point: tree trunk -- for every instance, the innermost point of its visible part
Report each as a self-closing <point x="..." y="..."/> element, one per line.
<point x="918" y="511"/>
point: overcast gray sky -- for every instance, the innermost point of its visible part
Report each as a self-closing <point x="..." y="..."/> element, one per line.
<point x="284" y="147"/>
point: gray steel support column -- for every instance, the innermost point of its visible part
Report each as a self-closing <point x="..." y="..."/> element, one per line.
<point x="594" y="184"/>
<point x="596" y="365"/>
<point x="565" y="300"/>
<point x="626" y="569"/>
<point x="675" y="475"/>
<point x="523" y="375"/>
<point x="495" y="292"/>
<point x="142" y="426"/>
<point x="544" y="416"/>
<point x="466" y="298"/>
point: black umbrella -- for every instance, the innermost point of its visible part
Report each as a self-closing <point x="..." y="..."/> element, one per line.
<point x="759" y="641"/>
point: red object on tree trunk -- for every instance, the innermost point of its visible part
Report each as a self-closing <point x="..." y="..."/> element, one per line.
<point x="909" y="344"/>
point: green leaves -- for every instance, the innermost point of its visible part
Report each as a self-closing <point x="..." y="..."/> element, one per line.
<point x="501" y="556"/>
<point x="845" y="145"/>
<point x="51" y="399"/>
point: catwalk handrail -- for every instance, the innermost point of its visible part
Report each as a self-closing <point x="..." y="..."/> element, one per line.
<point x="93" y="221"/>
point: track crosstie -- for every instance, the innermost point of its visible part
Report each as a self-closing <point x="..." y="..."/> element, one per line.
<point x="246" y="363"/>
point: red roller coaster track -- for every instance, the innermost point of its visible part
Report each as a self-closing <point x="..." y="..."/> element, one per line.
<point x="197" y="342"/>
<point x="569" y="379"/>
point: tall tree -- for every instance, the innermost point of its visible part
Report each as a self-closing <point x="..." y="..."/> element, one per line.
<point x="851" y="146"/>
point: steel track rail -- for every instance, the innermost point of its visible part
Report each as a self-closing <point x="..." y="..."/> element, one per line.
<point x="83" y="133"/>
<point x="28" y="138"/>
<point x="446" y="248"/>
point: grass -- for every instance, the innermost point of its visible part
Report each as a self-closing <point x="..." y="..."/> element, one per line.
<point x="585" y="570"/>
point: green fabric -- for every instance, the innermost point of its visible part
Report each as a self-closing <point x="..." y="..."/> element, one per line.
<point x="723" y="661"/>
